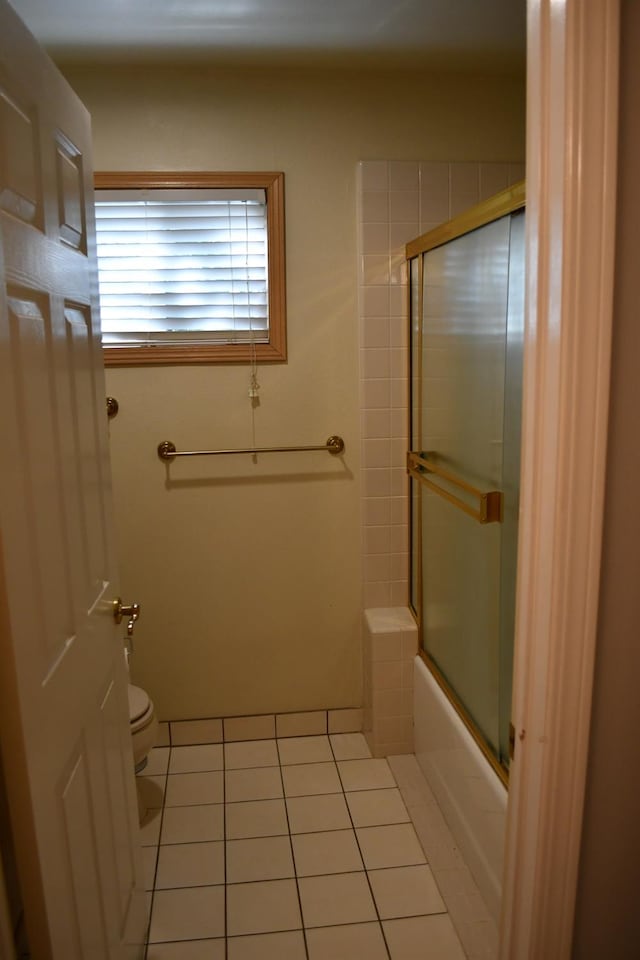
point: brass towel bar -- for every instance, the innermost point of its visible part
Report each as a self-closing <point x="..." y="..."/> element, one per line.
<point x="167" y="450"/>
<point x="490" y="504"/>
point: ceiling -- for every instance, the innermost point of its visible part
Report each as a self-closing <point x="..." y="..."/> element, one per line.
<point x="485" y="35"/>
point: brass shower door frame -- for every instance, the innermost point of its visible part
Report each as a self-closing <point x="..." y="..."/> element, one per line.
<point x="500" y="205"/>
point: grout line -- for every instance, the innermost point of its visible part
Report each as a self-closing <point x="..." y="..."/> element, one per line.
<point x="157" y="849"/>
<point x="224" y="840"/>
<point x="398" y="785"/>
<point x="293" y="858"/>
<point x="364" y="866"/>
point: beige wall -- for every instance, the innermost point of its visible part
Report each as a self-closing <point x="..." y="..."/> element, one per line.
<point x="249" y="574"/>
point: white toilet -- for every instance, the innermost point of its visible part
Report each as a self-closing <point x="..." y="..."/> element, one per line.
<point x="143" y="724"/>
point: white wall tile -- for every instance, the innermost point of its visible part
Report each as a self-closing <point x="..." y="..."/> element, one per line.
<point x="434" y="193"/>
<point x="376" y="482"/>
<point x="376" y="394"/>
<point x="375" y="301"/>
<point x="400" y="592"/>
<point x="377" y="540"/>
<point x="375" y="331"/>
<point x="375" y="206"/>
<point x="403" y="207"/>
<point x="399" y="482"/>
<point x="376" y="423"/>
<point x="386" y="676"/>
<point x="377" y="595"/>
<point x="398" y="330"/>
<point x="403" y="175"/>
<point x="375" y="238"/>
<point x="402" y="233"/>
<point x="464" y="180"/>
<point x="397" y="268"/>
<point x="376" y="511"/>
<point x="377" y="568"/>
<point x="398" y="303"/>
<point x="398" y="423"/>
<point x="398" y="362"/>
<point x="377" y="453"/>
<point x="375" y="268"/>
<point x="494" y="177"/>
<point x="399" y="510"/>
<point x="374" y="175"/>
<point x="375" y="363"/>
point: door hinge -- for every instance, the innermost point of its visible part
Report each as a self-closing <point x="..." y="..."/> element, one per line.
<point x="512" y="741"/>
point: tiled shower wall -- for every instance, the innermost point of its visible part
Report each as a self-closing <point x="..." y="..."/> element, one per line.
<point x="398" y="201"/>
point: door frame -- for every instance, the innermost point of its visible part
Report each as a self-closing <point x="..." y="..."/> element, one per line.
<point x="572" y="113"/>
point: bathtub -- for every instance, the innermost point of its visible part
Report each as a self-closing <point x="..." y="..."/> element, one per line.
<point x="472" y="798"/>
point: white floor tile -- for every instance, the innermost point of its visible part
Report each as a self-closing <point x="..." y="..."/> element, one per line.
<point x="365" y="774"/>
<point x="370" y="808"/>
<point x="304" y="750"/>
<point x="188" y="914"/>
<point x="405" y="892"/>
<point x="195" y="731"/>
<point x="359" y="941"/>
<point x="334" y="851"/>
<point x="268" y="946"/>
<point x="326" y="812"/>
<point x="150" y="827"/>
<point x="149" y="858"/>
<point x="196" y="759"/>
<point x="305" y="779"/>
<point x="261" y="783"/>
<point x="151" y="790"/>
<point x="336" y="899"/>
<point x="262" y="858"/>
<point x="395" y="845"/>
<point x="193" y="824"/>
<point x="157" y="762"/>
<point x="187" y="950"/>
<point x="407" y="939"/>
<point x="190" y="865"/>
<point x="164" y="739"/>
<point x="267" y="790"/>
<point x="250" y="728"/>
<point x="350" y="746"/>
<point x="250" y="753"/>
<point x="264" y="907"/>
<point x="184" y="789"/>
<point x="256" y="818"/>
<point x="301" y="724"/>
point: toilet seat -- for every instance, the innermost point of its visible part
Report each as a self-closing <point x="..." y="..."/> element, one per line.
<point x="140" y="708"/>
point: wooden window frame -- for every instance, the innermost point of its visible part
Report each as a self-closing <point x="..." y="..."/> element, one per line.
<point x="275" y="350"/>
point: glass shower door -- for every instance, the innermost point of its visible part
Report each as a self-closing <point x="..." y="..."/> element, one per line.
<point x="466" y="340"/>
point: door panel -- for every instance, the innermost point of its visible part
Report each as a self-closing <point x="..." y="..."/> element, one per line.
<point x="64" y="730"/>
<point x="19" y="192"/>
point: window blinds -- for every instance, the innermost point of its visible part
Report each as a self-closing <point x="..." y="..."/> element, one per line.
<point x="182" y="266"/>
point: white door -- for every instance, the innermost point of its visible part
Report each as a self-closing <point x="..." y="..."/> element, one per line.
<point x="64" y="729"/>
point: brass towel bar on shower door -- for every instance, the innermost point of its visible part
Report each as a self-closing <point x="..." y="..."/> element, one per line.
<point x="489" y="506"/>
<point x="167" y="450"/>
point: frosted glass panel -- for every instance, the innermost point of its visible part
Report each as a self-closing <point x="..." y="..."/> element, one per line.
<point x="466" y="389"/>
<point x="465" y="288"/>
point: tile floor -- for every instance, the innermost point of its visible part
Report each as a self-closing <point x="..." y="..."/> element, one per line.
<point x="299" y="848"/>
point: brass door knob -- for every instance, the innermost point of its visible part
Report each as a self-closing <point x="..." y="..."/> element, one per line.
<point x="129" y="610"/>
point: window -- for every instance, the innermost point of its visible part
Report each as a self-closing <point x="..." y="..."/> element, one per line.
<point x="191" y="267"/>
